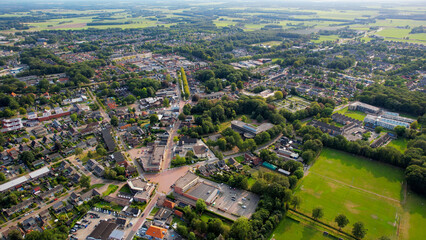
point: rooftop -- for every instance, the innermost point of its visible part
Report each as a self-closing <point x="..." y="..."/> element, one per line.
<point x="185" y="180"/>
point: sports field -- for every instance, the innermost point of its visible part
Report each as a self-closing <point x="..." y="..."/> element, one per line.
<point x="363" y="190"/>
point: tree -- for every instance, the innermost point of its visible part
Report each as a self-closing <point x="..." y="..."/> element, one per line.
<point x="233" y="87"/>
<point x="341" y="220"/>
<point x="295" y="201"/>
<point x="78" y="151"/>
<point x="85" y="181"/>
<point x="317" y="213"/>
<point x="2" y="177"/>
<point x="241" y="229"/>
<point x="73" y="117"/>
<point x="400" y="130"/>
<point x="15" y="235"/>
<point x="27" y="157"/>
<point x="192" y="236"/>
<point x="114" y="121"/>
<point x="278" y="95"/>
<point x="153" y="119"/>
<point x="359" y="230"/>
<point x="101" y="151"/>
<point x="166" y="102"/>
<point x="240" y="85"/>
<point x="379" y="129"/>
<point x="200" y="206"/>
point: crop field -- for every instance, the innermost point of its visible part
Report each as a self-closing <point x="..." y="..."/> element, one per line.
<point x="353" y="114"/>
<point x="363" y="190"/>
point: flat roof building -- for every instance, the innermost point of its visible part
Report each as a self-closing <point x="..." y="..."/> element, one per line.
<point x="250" y="131"/>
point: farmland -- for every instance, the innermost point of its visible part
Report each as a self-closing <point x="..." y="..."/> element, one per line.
<point x="376" y="194"/>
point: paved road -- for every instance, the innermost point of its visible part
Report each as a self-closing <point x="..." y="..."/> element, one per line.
<point x="141" y="220"/>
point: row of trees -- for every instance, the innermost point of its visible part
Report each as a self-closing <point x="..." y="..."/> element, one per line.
<point x="183" y="82"/>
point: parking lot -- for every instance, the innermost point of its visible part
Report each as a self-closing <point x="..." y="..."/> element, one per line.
<point x="236" y="201"/>
<point x="91" y="220"/>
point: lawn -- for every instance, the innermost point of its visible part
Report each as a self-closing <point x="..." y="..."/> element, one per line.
<point x="293" y="230"/>
<point x="99" y="185"/>
<point x="125" y="189"/>
<point x="154" y="211"/>
<point x="353" y="114"/>
<point x="363" y="190"/>
<point x="399" y="144"/>
<point x="414" y="218"/>
<point x="108" y="206"/>
<point x="111" y="189"/>
<point x="239" y="159"/>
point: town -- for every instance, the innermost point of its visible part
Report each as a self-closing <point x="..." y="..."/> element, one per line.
<point x="196" y="129"/>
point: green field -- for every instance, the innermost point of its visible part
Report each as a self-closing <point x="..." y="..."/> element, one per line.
<point x="400" y="144"/>
<point x="323" y="38"/>
<point x="289" y="229"/>
<point x="363" y="190"/>
<point x="111" y="189"/>
<point x="353" y="114"/>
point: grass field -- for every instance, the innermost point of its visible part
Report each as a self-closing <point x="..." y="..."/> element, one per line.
<point x="353" y="114"/>
<point x="326" y="38"/>
<point x="111" y="189"/>
<point x="289" y="229"/>
<point x="99" y="185"/>
<point x="400" y="144"/>
<point x="363" y="190"/>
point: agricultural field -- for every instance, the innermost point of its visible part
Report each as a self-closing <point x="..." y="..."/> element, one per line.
<point x="353" y="114"/>
<point x="326" y="38"/>
<point x="363" y="190"/>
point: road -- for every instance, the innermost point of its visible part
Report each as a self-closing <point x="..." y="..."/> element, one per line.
<point x="141" y="220"/>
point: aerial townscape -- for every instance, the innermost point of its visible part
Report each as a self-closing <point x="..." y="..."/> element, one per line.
<point x="212" y="119"/>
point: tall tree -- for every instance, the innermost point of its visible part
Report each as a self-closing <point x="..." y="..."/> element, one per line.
<point x="341" y="221"/>
<point x="359" y="230"/>
<point x="317" y="213"/>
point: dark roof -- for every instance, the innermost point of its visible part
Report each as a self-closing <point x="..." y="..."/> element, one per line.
<point x="110" y="143"/>
<point x="118" y="157"/>
<point x="103" y="230"/>
<point x="187" y="140"/>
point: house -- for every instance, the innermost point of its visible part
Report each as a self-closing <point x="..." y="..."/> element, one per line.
<point x="155" y="232"/>
<point x="200" y="151"/>
<point x="58" y="207"/>
<point x="30" y="224"/>
<point x="119" y="159"/>
<point x="168" y="204"/>
<point x="141" y="189"/>
<point x="250" y="158"/>
<point x="131" y="212"/>
<point x="187" y="141"/>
